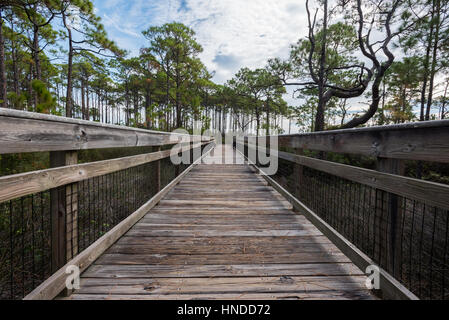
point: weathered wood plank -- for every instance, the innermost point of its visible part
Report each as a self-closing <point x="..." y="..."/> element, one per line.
<point x="51" y="287"/>
<point x="143" y="225"/>
<point x="225" y="270"/>
<point x="220" y="210"/>
<point x="203" y="219"/>
<point x="427" y="140"/>
<point x="432" y="193"/>
<point x="17" y="185"/>
<point x="211" y="286"/>
<point x="311" y="295"/>
<point x="22" y="131"/>
<point x="228" y="204"/>
<point x="224" y="242"/>
<point x="243" y="248"/>
<point x="245" y="196"/>
<point x="146" y="232"/>
<point x="174" y="259"/>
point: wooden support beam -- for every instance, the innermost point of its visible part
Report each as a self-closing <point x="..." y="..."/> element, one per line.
<point x="298" y="174"/>
<point x="64" y="211"/>
<point x="71" y="210"/>
<point x="395" y="210"/>
<point x="157" y="171"/>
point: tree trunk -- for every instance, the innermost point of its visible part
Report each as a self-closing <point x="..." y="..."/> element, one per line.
<point x="15" y="69"/>
<point x="83" y="103"/>
<point x="2" y="66"/>
<point x="69" y="101"/>
<point x="268" y="118"/>
<point x="434" y="57"/>
<point x="443" y="105"/>
<point x="257" y="123"/>
<point x="37" y="60"/>
<point x="177" y="102"/>
<point x="29" y="89"/>
<point x="426" y="70"/>
<point x="87" y="101"/>
<point x="319" y="121"/>
<point x="147" y="108"/>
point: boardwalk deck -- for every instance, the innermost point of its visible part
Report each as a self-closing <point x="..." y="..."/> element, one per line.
<point x="223" y="233"/>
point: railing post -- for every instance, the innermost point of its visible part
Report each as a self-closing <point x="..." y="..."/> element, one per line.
<point x="393" y="166"/>
<point x="157" y="170"/>
<point x="64" y="213"/>
<point x="298" y="175"/>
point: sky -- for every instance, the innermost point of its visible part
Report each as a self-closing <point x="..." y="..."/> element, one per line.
<point x="233" y="33"/>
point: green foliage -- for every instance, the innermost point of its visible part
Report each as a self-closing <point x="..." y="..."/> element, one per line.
<point x="46" y="101"/>
<point x="17" y="101"/>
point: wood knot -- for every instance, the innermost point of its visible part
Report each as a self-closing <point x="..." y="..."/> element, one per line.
<point x="286" y="279"/>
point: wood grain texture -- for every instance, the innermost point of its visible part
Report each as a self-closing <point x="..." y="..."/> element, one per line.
<point x="391" y="288"/>
<point x="55" y="284"/>
<point x="22" y="131"/>
<point x="310" y="295"/>
<point x="209" y="240"/>
<point x="426" y="140"/>
<point x="432" y="193"/>
<point x="17" y="185"/>
<point x="220" y="285"/>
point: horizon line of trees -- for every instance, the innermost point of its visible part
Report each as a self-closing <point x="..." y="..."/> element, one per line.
<point x="56" y="58"/>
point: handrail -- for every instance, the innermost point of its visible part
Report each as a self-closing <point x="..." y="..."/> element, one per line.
<point x="61" y="194"/>
<point x="22" y="131"/>
<point x="392" y="288"/>
<point x="398" y="222"/>
<point x="17" y="185"/>
<point x="432" y="193"/>
<point x="426" y="140"/>
<point x="51" y="287"/>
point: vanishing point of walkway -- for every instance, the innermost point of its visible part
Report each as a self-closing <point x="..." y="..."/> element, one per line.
<point x="223" y="233"/>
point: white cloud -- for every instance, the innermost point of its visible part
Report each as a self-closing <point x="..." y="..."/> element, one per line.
<point x="233" y="33"/>
<point x="246" y="33"/>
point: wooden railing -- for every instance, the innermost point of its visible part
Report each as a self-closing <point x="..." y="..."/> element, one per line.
<point x="376" y="216"/>
<point x="70" y="213"/>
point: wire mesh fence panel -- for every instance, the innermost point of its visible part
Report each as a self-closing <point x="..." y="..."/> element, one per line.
<point x="406" y="237"/>
<point x="25" y="244"/>
<point x="105" y="201"/>
<point x="92" y="207"/>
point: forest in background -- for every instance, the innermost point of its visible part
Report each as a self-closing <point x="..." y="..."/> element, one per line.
<point x="56" y="58"/>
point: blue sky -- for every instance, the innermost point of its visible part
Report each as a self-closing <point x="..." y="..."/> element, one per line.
<point x="233" y="33"/>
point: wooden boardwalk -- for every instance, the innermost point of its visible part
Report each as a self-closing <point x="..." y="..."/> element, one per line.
<point x="223" y="233"/>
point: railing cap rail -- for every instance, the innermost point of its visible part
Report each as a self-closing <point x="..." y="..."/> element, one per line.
<point x="22" y="131"/>
<point x="426" y="140"/>
<point x="392" y="127"/>
<point x="53" y="118"/>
